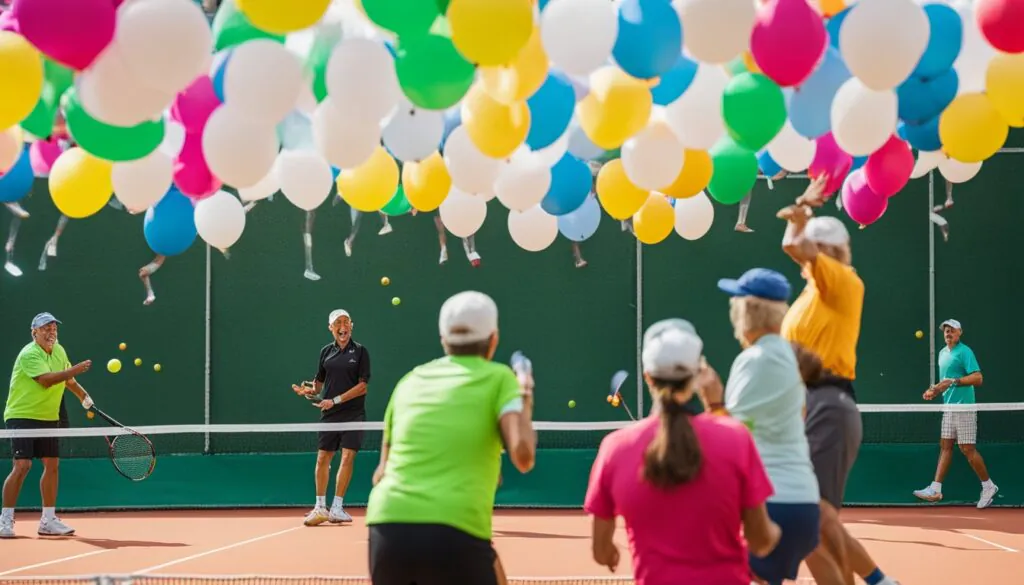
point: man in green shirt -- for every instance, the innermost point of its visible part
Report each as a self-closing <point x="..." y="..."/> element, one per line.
<point x="430" y="510"/>
<point x="41" y="373"/>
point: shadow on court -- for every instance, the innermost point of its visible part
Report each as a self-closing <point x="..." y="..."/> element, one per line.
<point x="528" y="534"/>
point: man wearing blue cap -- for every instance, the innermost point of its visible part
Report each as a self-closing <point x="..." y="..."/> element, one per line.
<point x="40" y="374"/>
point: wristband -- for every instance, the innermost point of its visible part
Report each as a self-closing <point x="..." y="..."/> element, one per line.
<point x="336" y="399"/>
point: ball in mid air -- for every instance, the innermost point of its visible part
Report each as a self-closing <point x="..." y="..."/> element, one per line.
<point x="919" y="334"/>
<point x="156" y="367"/>
<point x="396" y="301"/>
<point x="123" y="346"/>
<point x="572" y="404"/>
<point x="90" y="414"/>
<point x="114" y="366"/>
<point x="138" y="361"/>
<point x="385" y="281"/>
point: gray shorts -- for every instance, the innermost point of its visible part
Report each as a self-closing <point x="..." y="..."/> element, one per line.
<point x="834" y="433"/>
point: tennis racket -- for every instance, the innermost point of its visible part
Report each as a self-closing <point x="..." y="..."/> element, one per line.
<point x="615" y="397"/>
<point x="132" y="454"/>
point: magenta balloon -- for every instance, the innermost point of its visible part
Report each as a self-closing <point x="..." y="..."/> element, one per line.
<point x="191" y="174"/>
<point x="71" y="32"/>
<point x="863" y="205"/>
<point x="788" y="41"/>
<point x="888" y="169"/>
<point x="42" y="154"/>
<point x="7" y="22"/>
<point x="193" y="106"/>
<point x="830" y="160"/>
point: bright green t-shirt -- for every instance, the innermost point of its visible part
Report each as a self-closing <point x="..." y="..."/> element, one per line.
<point x="956" y="363"/>
<point x="28" y="398"/>
<point x="442" y="425"/>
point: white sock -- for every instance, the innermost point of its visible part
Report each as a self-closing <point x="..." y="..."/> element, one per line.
<point x="987" y="483"/>
<point x="937" y="486"/>
<point x="7" y="514"/>
<point x="321" y="501"/>
<point x="337" y="502"/>
<point x="49" y="513"/>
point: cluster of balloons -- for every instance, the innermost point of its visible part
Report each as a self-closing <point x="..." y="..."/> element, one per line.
<point x="562" y="110"/>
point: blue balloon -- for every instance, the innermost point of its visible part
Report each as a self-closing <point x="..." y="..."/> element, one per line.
<point x="810" y="108"/>
<point x="858" y="162"/>
<point x="543" y="3"/>
<point x="551" y="109"/>
<point x="650" y="38"/>
<point x="921" y="99"/>
<point x="833" y="25"/>
<point x="335" y="171"/>
<point x="924" y="137"/>
<point x="944" y="39"/>
<point x="17" y="182"/>
<point x="675" y="81"/>
<point x="391" y="49"/>
<point x="170" y="225"/>
<point x="570" y="184"/>
<point x="581" y="224"/>
<point x="582" y="147"/>
<point x="452" y="120"/>
<point x="769" y="167"/>
<point x="220" y="65"/>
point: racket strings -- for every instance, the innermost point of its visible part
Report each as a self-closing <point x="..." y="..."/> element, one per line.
<point x="132" y="455"/>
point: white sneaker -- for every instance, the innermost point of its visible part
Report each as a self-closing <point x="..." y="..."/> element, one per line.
<point x="317" y="517"/>
<point x="929" y="494"/>
<point x="6" y="528"/>
<point x="987" y="494"/>
<point x="339" y="516"/>
<point x="54" y="527"/>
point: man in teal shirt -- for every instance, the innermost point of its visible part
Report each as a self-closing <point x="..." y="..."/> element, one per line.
<point x="959" y="373"/>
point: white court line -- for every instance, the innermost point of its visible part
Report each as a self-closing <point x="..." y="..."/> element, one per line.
<point x="990" y="543"/>
<point x="55" y="561"/>
<point x="215" y="550"/>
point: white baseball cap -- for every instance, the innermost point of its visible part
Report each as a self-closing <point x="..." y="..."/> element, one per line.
<point x="671" y="350"/>
<point x="952" y="323"/>
<point x="467" y="317"/>
<point x="337" y="314"/>
<point x="827" y="230"/>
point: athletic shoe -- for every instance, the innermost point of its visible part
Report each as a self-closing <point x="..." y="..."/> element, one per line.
<point x="6" y="528"/>
<point x="317" y="517"/>
<point x="987" y="494"/>
<point x="338" y="515"/>
<point x="54" y="527"/>
<point x="929" y="494"/>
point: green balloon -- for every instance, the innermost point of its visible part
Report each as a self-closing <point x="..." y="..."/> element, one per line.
<point x="402" y="17"/>
<point x="735" y="171"/>
<point x="442" y="6"/>
<point x="398" y="205"/>
<point x="324" y="41"/>
<point x="113" y="143"/>
<point x="754" y="110"/>
<point x="736" y="66"/>
<point x="231" y="28"/>
<point x="56" y="80"/>
<point x="432" y="73"/>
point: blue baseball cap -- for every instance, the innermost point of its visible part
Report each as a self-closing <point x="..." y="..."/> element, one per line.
<point x="43" y="319"/>
<point x="758" y="282"/>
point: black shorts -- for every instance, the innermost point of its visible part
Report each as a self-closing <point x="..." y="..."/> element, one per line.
<point x="335" y="440"/>
<point x="429" y="554"/>
<point x="34" y="447"/>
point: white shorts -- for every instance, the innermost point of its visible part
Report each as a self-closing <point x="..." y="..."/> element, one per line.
<point x="962" y="426"/>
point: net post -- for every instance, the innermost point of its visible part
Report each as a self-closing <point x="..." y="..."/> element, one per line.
<point x="639" y="328"/>
<point x="931" y="280"/>
<point x="207" y="351"/>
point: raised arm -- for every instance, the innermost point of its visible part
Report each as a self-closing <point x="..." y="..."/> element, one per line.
<point x="516" y="423"/>
<point x="50" y="379"/>
<point x="794" y="244"/>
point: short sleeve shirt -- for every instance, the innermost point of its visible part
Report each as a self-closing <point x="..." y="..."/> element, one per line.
<point x="339" y="370"/>
<point x="29" y="399"/>
<point x="956" y="363"/>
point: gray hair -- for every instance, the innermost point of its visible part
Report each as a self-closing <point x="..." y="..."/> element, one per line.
<point x="755" y="314"/>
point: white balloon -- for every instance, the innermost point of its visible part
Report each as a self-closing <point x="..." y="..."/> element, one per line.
<point x="883" y="40"/>
<point x="238" y="149"/>
<point x="971" y="64"/>
<point x="345" y="138"/>
<point x="471" y="171"/>
<point x="266" y="187"/>
<point x="111" y="94"/>
<point x="716" y="30"/>
<point x="140" y="184"/>
<point x="361" y="77"/>
<point x="554" y="152"/>
<point x="696" y="116"/>
<point x="580" y="144"/>
<point x="165" y="43"/>
<point x="926" y="162"/>
<point x="220" y="220"/>
<point x="262" y="80"/>
<point x="532" y="230"/>
<point x="955" y="171"/>
<point x="561" y="25"/>
<point x="305" y="178"/>
<point x="694" y="216"/>
<point x="863" y="119"/>
<point x="523" y="181"/>
<point x="462" y="214"/>
<point x="174" y="138"/>
<point x="653" y="157"/>
<point x="413" y="134"/>
<point x="790" y="150"/>
<point x="11" y="142"/>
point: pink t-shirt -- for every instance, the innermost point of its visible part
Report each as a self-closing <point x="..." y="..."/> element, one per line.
<point x="690" y="534"/>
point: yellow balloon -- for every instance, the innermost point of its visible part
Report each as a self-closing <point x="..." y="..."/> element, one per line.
<point x="617" y="107"/>
<point x="617" y="195"/>
<point x="655" y="220"/>
<point x="748" y="61"/>
<point x="831" y="8"/>
<point x="520" y="79"/>
<point x="495" y="129"/>
<point x="426" y="182"/>
<point x="280" y="17"/>
<point x="371" y="185"/>
<point x="490" y="32"/>
<point x="21" y="77"/>
<point x="80" y="183"/>
<point x="694" y="176"/>
<point x="1004" y="86"/>
<point x="971" y="129"/>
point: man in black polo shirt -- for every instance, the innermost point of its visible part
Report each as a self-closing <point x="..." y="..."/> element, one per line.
<point x="340" y="392"/>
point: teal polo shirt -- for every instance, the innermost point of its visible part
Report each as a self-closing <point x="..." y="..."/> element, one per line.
<point x="956" y="363"/>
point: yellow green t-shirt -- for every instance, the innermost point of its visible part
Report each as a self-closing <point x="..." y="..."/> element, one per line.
<point x="28" y="398"/>
<point x="445" y="445"/>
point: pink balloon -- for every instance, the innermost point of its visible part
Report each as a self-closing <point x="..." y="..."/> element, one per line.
<point x="71" y="32"/>
<point x="788" y="41"/>
<point x="863" y="205"/>
<point x="888" y="169"/>
<point x="7" y="22"/>
<point x="194" y="105"/>
<point x="42" y="154"/>
<point x="191" y="174"/>
<point x="830" y="160"/>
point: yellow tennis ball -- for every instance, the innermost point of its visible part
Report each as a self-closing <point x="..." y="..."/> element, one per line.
<point x="385" y="281"/>
<point x="156" y="367"/>
<point x="396" y="301"/>
<point x="89" y="414"/>
<point x="114" y="366"/>
<point x="138" y="361"/>
<point x="919" y="334"/>
<point x="123" y="346"/>
<point x="572" y="404"/>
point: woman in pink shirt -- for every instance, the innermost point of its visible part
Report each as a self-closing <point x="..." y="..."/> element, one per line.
<point x="684" y="483"/>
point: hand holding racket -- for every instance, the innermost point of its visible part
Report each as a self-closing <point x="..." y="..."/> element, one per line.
<point x="615" y="396"/>
<point x="132" y="454"/>
<point x="523" y="368"/>
<point x="306" y="390"/>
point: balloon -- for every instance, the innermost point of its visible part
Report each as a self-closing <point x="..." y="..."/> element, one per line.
<point x="496" y="129"/>
<point x="790" y="150"/>
<point x="1002" y="23"/>
<point x="1004" y="86"/>
<point x="522" y="77"/>
<point x="405" y="18"/>
<point x="17" y="182"/>
<point x="239" y="150"/>
<point x="413" y="134"/>
<point x="42" y="154"/>
<point x="924" y="136"/>
<point x="193" y="105"/>
<point x="361" y="77"/>
<point x="431" y="72"/>
<point x="922" y="99"/>
<point x="975" y="53"/>
<point x="21" y="68"/>
<point x="305" y="178"/>
<point x="694" y="177"/>
<point x="944" y="38"/>
<point x="888" y="169"/>
<point x="112" y="143"/>
<point x="653" y="158"/>
<point x="955" y="171"/>
<point x="371" y="185"/>
<point x="674" y="82"/>
<point x="694" y="216"/>
<point x="863" y="205"/>
<point x="56" y="80"/>
<point x="462" y="214"/>
<point x="579" y="145"/>
<point x="754" y="110"/>
<point x="863" y="118"/>
<point x="345" y="139"/>
<point x="11" y="148"/>
<point x="111" y="94"/>
<point x="829" y="160"/>
<point x="80" y="184"/>
<point x="139" y="184"/>
<point x="471" y="170"/>
<point x="220" y="220"/>
<point x="574" y="53"/>
<point x="767" y="164"/>
<point x="926" y="162"/>
<point x="788" y="41"/>
<point x="617" y="107"/>
<point x="971" y="129"/>
<point x="192" y="176"/>
<point x="522" y="182"/>
<point x="232" y="28"/>
<point x="279" y="18"/>
<point x="551" y="109"/>
<point x="552" y="154"/>
<point x="488" y="32"/>
<point x="170" y="226"/>
<point x="571" y="182"/>
<point x="266" y="187"/>
<point x="165" y="44"/>
<point x="532" y="230"/>
<point x="71" y="32"/>
<point x="735" y="171"/>
<point x="650" y="38"/>
<point x="582" y="224"/>
<point x="696" y="117"/>
<point x="619" y="197"/>
<point x="426" y="183"/>
<point x="716" y="30"/>
<point x="883" y="40"/>
<point x="655" y="219"/>
<point x="261" y="79"/>
<point x="399" y="204"/>
<point x="810" y="106"/>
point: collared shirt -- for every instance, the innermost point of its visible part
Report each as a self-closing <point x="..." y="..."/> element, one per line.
<point x="28" y="398"/>
<point x="339" y="369"/>
<point x="956" y="363"/>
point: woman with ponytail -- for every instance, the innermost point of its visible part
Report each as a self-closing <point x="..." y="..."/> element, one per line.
<point x="685" y="482"/>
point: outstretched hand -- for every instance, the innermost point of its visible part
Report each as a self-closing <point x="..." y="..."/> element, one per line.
<point x="814" y="195"/>
<point x="306" y="389"/>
